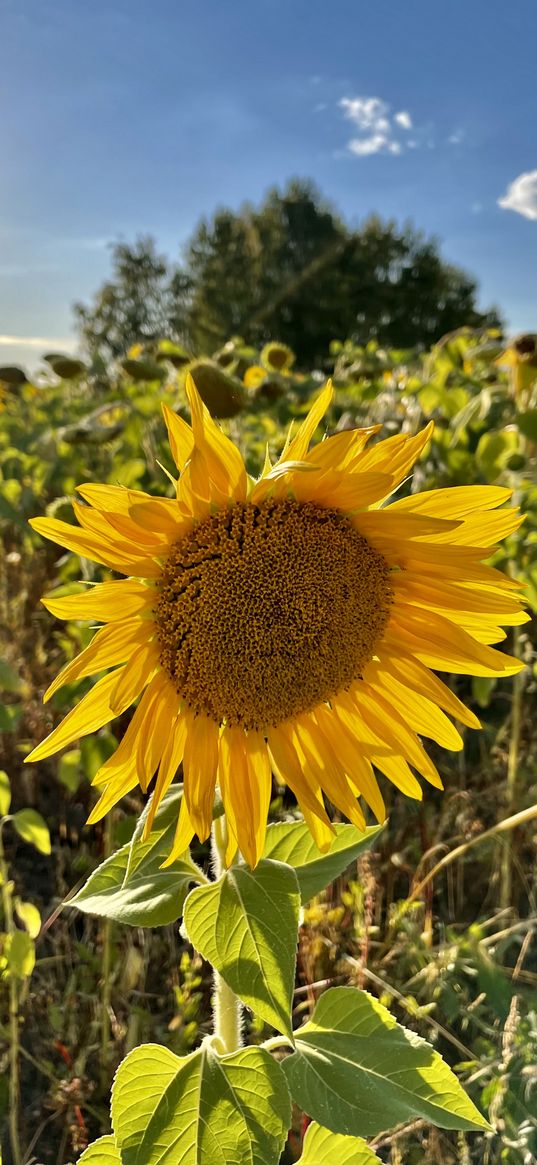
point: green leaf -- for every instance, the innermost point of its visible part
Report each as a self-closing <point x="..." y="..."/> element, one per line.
<point x="10" y="715"/>
<point x="200" y="1109"/>
<point x="321" y="1146"/>
<point x="10" y="680"/>
<point x="70" y="769"/>
<point x="19" y="954"/>
<point x="358" y="1072"/>
<point x="291" y="842"/>
<point x="29" y="916"/>
<point x="104" y="1151"/>
<point x="246" y="925"/>
<point x="5" y="793"/>
<point x="131" y="887"/>
<point x="31" y="827"/>
<point x="494" y="450"/>
<point x="527" y="422"/>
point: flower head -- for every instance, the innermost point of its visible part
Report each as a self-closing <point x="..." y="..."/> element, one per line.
<point x="282" y="626"/>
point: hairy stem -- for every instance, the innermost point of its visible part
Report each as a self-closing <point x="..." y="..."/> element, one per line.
<point x="14" y="1077"/>
<point x="227" y="1008"/>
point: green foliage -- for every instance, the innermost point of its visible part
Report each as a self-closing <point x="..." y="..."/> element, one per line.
<point x="292" y="842"/>
<point x="33" y="829"/>
<point x="321" y="1146"/>
<point x="289" y="269"/>
<point x="202" y="1109"/>
<point x="5" y="793"/>
<point x="131" y="887"/>
<point x="356" y="1071"/>
<point x="467" y="986"/>
<point x="101" y="1152"/>
<point x="246" y="924"/>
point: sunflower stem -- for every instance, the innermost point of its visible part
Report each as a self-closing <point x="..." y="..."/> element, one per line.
<point x="227" y="1007"/>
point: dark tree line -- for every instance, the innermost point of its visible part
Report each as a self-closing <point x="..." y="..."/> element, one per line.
<point x="290" y="270"/>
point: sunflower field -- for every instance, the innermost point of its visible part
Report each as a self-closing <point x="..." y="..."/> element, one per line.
<point x="339" y="573"/>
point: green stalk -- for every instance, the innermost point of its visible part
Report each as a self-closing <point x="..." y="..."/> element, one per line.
<point x="14" y="1077"/>
<point x="227" y="1008"/>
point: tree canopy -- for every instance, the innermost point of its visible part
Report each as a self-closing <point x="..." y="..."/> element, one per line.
<point x="290" y="269"/>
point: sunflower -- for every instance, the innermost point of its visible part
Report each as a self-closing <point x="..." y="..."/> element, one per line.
<point x="283" y="626"/>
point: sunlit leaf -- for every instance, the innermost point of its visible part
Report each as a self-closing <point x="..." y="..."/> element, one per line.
<point x="358" y="1072"/>
<point x="200" y="1109"/>
<point x="33" y="829"/>
<point x="291" y="842"/>
<point x="321" y="1147"/>
<point x="246" y="926"/>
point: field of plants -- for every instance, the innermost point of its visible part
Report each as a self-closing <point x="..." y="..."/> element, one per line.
<point x="437" y="919"/>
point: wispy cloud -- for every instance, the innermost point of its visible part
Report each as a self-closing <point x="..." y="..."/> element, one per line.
<point x="63" y="343"/>
<point x="521" y="195"/>
<point x="380" y="130"/>
<point x="403" y="119"/>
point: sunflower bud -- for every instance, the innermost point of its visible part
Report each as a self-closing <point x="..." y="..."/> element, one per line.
<point x="221" y="393"/>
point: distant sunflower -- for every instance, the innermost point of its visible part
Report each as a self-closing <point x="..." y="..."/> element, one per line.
<point x="282" y="626"/>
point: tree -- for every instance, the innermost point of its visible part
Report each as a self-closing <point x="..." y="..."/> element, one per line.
<point x="143" y="301"/>
<point x="289" y="270"/>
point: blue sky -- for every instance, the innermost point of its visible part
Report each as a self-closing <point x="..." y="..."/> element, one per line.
<point x="134" y="117"/>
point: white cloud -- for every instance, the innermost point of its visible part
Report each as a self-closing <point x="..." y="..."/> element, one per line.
<point x="379" y="129"/>
<point x="362" y="147"/>
<point x="521" y="195"/>
<point x="403" y="119"/>
<point x="456" y="137"/>
<point x="45" y="342"/>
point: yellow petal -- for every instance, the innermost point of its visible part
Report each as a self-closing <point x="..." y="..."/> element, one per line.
<point x="451" y="595"/>
<point x="391" y="730"/>
<point x="171" y="759"/>
<point x="108" y="602"/>
<point x="91" y="713"/>
<point x="418" y="677"/>
<point x="288" y="762"/>
<point x="95" y="547"/>
<point x="241" y="799"/>
<point x="123" y="783"/>
<point x="180" y="436"/>
<point x="342" y="491"/>
<point x="380" y="524"/>
<point x="418" y="711"/>
<point x="443" y="646"/>
<point x="161" y="515"/>
<point x="357" y="767"/>
<point x="159" y="724"/>
<point x="395" y="768"/>
<point x="324" y="763"/>
<point x="183" y="836"/>
<point x="298" y="447"/>
<point x="224" y="461"/>
<point x="455" y="502"/>
<point x="109" y="497"/>
<point x="260" y="778"/>
<point x="134" y="676"/>
<point x="113" y="644"/>
<point x="339" y="451"/>
<point x="397" y="455"/>
<point x="124" y="758"/>
<point x="200" y="763"/>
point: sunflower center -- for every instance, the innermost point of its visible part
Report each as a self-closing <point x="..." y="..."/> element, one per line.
<point x="264" y="611"/>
